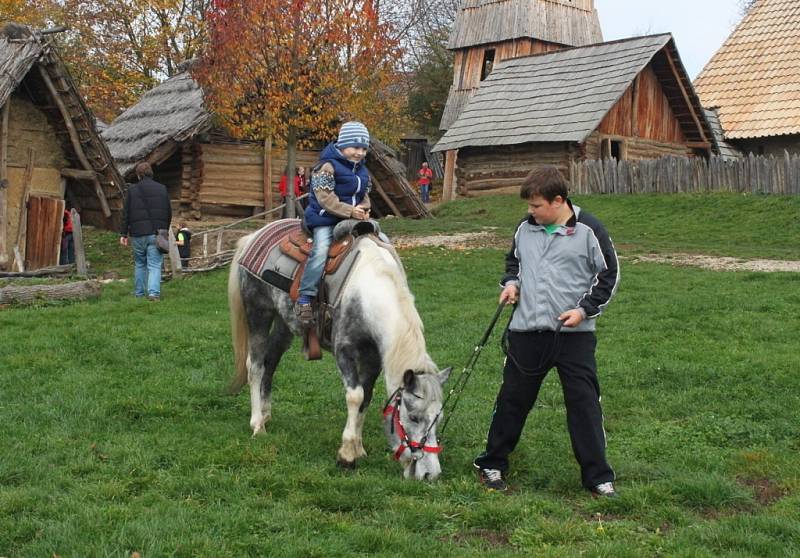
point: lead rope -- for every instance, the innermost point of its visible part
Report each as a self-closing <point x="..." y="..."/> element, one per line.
<point x="461" y="382"/>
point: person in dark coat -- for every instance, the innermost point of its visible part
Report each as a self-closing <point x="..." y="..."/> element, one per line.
<point x="147" y="208"/>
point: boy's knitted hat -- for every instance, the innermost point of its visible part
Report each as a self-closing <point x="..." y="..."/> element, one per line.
<point x="353" y="134"/>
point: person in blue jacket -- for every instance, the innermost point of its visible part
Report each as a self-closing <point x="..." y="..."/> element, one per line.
<point x="339" y="189"/>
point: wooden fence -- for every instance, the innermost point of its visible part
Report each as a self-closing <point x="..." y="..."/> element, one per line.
<point x="752" y="174"/>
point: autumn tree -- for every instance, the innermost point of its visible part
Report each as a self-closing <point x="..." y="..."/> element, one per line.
<point x="117" y="50"/>
<point x="293" y="70"/>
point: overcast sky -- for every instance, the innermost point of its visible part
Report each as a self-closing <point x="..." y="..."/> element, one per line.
<point x="699" y="26"/>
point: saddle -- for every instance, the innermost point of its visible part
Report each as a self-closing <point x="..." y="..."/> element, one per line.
<point x="297" y="246"/>
<point x="278" y="255"/>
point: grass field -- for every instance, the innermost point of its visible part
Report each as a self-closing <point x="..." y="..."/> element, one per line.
<point x="117" y="436"/>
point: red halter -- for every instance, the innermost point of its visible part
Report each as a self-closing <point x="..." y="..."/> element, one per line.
<point x="393" y="408"/>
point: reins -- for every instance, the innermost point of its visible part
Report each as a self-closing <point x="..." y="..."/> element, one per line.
<point x="392" y="406"/>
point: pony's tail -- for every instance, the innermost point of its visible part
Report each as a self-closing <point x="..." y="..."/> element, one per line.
<point x="240" y="333"/>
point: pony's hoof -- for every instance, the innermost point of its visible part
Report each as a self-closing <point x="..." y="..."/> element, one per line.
<point x="346" y="465"/>
<point x="258" y="430"/>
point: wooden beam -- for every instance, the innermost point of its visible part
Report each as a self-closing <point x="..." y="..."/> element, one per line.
<point x="79" y="174"/>
<point x="4" y="184"/>
<point x="162" y="153"/>
<point x="77" y="239"/>
<point x="686" y="97"/>
<point x="698" y="144"/>
<point x="28" y="294"/>
<point x="73" y="137"/>
<point x="267" y="178"/>
<point x="448" y="189"/>
<point x="385" y="196"/>
<point x="635" y="106"/>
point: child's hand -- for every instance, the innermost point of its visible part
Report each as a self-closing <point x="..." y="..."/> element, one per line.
<point x="360" y="213"/>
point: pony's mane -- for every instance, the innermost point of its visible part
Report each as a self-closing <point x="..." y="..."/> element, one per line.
<point x="408" y="351"/>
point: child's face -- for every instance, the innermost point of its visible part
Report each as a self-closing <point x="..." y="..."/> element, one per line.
<point x="545" y="212"/>
<point x="354" y="154"/>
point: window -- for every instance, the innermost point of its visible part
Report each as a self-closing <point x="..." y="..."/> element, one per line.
<point x="613" y="149"/>
<point x="488" y="63"/>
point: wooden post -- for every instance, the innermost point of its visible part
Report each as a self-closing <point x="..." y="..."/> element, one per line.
<point x="174" y="257"/>
<point x="27" y="176"/>
<point x="267" y="177"/>
<point x="77" y="238"/>
<point x="4" y="185"/>
<point x="386" y="198"/>
<point x="449" y="187"/>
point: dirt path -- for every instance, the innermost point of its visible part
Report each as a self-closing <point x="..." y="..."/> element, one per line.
<point x="490" y="239"/>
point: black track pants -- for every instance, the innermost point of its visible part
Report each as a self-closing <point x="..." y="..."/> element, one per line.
<point x="577" y="371"/>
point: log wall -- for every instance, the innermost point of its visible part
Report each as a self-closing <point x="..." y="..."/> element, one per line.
<point x="635" y="148"/>
<point x="228" y="178"/>
<point x="496" y="169"/>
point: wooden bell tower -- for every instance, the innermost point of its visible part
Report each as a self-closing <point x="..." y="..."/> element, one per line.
<point x="486" y="32"/>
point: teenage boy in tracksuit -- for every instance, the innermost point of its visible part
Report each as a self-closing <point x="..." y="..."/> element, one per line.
<point x="562" y="267"/>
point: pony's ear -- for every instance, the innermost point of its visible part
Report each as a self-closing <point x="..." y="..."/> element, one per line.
<point x="409" y="379"/>
<point x="444" y="375"/>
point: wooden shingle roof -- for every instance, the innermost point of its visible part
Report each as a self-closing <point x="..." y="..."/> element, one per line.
<point x="718" y="136"/>
<point x="558" y="96"/>
<point x="565" y="22"/>
<point x="754" y="78"/>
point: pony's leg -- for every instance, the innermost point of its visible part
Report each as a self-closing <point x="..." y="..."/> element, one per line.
<point x="358" y="373"/>
<point x="265" y="354"/>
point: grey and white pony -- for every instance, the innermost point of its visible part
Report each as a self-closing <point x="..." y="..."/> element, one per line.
<point x="375" y="326"/>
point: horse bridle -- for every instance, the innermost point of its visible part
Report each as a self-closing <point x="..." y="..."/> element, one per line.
<point x="392" y="409"/>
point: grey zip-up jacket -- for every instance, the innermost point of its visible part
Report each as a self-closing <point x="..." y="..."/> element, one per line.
<point x="575" y="267"/>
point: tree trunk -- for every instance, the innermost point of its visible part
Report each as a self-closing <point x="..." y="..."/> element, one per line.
<point x="291" y="157"/>
<point x="33" y="293"/>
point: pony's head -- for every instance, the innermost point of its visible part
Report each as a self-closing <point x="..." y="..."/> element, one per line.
<point x="410" y="419"/>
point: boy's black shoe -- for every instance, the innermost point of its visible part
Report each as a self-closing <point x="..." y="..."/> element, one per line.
<point x="492" y="479"/>
<point x="604" y="490"/>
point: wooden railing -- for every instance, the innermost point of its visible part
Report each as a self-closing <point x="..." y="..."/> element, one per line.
<point x="751" y="174"/>
<point x="217" y="250"/>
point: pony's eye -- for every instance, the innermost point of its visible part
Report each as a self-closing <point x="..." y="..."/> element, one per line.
<point x="413" y="419"/>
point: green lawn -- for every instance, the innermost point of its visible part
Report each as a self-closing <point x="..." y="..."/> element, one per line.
<point x="117" y="436"/>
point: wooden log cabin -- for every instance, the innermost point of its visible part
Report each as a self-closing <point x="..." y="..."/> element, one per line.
<point x="51" y="154"/>
<point x="628" y="99"/>
<point x="752" y="81"/>
<point x="209" y="173"/>
<point x="487" y="32"/>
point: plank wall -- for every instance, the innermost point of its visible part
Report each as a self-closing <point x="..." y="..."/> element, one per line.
<point x="468" y="63"/>
<point x="644" y="119"/>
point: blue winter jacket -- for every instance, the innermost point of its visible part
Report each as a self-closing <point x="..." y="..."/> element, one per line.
<point x="352" y="184"/>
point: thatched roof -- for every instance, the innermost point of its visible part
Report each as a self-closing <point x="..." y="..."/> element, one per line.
<point x="753" y="78"/>
<point x="17" y="57"/>
<point x="564" y="22"/>
<point x="168" y="114"/>
<point x="29" y="57"/>
<point x="561" y="96"/>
